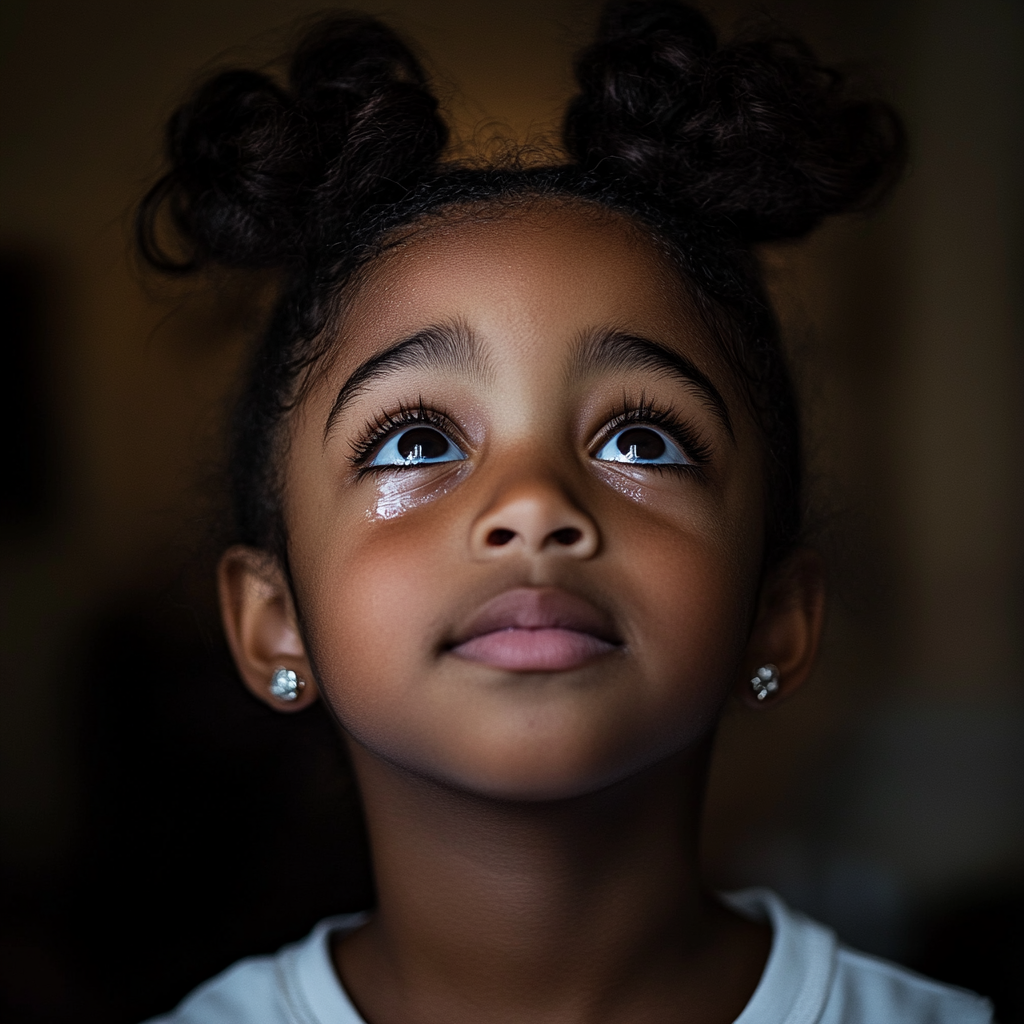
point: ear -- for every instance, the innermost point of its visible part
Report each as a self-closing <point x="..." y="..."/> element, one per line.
<point x="787" y="627"/>
<point x="262" y="628"/>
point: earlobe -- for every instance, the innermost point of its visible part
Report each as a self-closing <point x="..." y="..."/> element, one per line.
<point x="787" y="630"/>
<point x="262" y="629"/>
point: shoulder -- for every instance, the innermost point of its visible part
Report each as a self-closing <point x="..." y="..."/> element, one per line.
<point x="297" y="985"/>
<point x="866" y="988"/>
<point x="810" y="978"/>
<point x="249" y="992"/>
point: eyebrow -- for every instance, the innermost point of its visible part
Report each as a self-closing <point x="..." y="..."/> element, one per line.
<point x="616" y="350"/>
<point x="449" y="347"/>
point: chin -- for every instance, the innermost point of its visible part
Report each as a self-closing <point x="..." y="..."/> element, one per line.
<point x="532" y="772"/>
<point x="564" y="746"/>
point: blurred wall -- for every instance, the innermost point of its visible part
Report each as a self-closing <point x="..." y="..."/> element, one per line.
<point x="893" y="786"/>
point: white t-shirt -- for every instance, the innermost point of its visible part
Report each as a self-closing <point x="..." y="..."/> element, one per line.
<point x="809" y="979"/>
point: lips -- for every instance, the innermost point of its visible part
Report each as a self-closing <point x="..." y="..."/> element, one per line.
<point x="536" y="630"/>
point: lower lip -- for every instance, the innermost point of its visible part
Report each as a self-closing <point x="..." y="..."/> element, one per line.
<point x="533" y="650"/>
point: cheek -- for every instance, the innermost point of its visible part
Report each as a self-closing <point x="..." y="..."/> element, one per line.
<point x="373" y="594"/>
<point x="365" y="565"/>
<point x="698" y="628"/>
<point x="691" y="594"/>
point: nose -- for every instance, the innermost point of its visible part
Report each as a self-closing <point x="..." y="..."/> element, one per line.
<point x="533" y="519"/>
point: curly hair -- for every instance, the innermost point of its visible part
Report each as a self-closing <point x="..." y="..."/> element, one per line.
<point x="708" y="148"/>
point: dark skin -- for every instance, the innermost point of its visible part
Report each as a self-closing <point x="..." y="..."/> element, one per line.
<point x="534" y="829"/>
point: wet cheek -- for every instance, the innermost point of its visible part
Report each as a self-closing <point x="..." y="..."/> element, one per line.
<point x="367" y="557"/>
<point x="403" y="493"/>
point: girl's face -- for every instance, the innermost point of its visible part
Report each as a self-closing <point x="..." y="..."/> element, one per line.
<point x="524" y="509"/>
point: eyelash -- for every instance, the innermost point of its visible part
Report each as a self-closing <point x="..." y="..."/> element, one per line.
<point x="643" y="413"/>
<point x="379" y="429"/>
<point x="696" y="448"/>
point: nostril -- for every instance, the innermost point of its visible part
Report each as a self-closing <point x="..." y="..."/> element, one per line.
<point x="570" y="535"/>
<point x="499" y="538"/>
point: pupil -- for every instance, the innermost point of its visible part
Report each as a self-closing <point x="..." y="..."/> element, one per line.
<point x="422" y="443"/>
<point x="644" y="444"/>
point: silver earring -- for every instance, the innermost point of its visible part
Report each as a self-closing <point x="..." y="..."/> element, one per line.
<point x="285" y="684"/>
<point x="765" y="681"/>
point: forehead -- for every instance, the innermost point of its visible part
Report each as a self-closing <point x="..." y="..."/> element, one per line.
<point x="545" y="270"/>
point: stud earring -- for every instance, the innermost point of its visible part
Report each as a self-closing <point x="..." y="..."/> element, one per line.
<point x="765" y="681"/>
<point x="285" y="684"/>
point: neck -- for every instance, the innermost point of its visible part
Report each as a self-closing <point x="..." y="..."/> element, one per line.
<point x="528" y="906"/>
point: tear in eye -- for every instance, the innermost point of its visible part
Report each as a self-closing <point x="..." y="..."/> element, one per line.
<point x="643" y="445"/>
<point x="417" y="446"/>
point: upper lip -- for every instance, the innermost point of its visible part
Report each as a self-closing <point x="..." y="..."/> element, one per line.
<point x="538" y="608"/>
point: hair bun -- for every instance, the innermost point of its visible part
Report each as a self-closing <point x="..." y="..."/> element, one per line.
<point x="641" y="19"/>
<point x="261" y="175"/>
<point x="757" y="133"/>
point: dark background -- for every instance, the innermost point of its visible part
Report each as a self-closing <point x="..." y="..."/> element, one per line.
<point x="157" y="823"/>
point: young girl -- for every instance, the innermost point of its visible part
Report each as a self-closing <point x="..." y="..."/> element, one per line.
<point x="518" y="491"/>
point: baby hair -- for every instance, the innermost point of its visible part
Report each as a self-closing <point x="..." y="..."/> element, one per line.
<point x="707" y="148"/>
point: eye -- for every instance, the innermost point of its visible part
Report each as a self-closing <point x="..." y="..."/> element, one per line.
<point x="643" y="446"/>
<point x="417" y="446"/>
